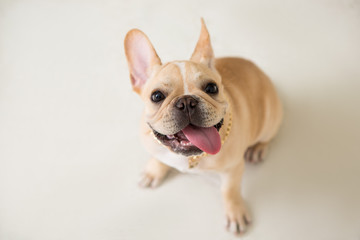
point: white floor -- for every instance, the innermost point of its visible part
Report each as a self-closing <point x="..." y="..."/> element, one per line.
<point x="70" y="155"/>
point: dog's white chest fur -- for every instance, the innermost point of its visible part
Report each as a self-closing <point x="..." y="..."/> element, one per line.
<point x="173" y="160"/>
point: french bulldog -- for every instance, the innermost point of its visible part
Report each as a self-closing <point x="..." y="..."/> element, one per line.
<point x="205" y="114"/>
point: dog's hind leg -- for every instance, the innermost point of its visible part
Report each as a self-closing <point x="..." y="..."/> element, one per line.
<point x="257" y="152"/>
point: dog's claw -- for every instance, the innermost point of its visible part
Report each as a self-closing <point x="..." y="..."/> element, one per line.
<point x="234" y="227"/>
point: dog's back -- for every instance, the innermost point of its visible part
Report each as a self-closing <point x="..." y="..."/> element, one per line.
<point x="254" y="99"/>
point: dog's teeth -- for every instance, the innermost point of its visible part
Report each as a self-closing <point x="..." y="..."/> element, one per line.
<point x="170" y="136"/>
<point x="185" y="143"/>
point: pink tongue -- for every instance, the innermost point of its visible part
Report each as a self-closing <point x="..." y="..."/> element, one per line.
<point x="207" y="139"/>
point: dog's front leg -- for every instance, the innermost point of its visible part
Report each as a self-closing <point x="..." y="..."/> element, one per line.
<point x="154" y="173"/>
<point x="237" y="216"/>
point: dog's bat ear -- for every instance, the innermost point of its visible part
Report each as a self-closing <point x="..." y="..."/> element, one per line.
<point x="203" y="52"/>
<point x="141" y="57"/>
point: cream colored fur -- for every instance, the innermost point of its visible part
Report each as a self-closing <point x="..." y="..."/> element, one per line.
<point x="246" y="92"/>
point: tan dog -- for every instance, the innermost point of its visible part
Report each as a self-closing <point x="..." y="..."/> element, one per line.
<point x="209" y="114"/>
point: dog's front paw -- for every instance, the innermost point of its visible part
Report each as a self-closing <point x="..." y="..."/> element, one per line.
<point x="154" y="174"/>
<point x="148" y="180"/>
<point x="237" y="217"/>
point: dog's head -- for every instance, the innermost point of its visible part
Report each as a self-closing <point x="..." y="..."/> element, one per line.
<point x="184" y="100"/>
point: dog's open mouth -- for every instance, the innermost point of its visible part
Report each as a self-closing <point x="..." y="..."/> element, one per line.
<point x="193" y="140"/>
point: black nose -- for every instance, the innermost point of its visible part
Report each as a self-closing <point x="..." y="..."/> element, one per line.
<point x="186" y="104"/>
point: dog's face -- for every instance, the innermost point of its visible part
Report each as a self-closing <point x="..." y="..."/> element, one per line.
<point x="184" y="100"/>
<point x="179" y="94"/>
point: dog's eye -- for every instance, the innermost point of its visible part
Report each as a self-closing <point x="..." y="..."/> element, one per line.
<point x="211" y="88"/>
<point x="157" y="96"/>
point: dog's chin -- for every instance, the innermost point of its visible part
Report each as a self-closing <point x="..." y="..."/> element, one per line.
<point x="179" y="144"/>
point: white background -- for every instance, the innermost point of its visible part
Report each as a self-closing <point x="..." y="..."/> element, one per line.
<point x="70" y="156"/>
